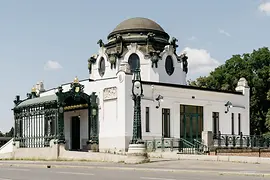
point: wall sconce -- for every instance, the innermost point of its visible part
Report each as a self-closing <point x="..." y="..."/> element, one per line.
<point x="228" y="105"/>
<point x="159" y="99"/>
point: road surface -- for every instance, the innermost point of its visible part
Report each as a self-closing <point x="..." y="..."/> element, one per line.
<point x="83" y="173"/>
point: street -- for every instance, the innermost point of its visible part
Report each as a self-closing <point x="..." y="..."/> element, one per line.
<point x="13" y="170"/>
<point x="17" y="173"/>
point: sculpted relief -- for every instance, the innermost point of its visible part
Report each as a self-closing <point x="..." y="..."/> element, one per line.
<point x="110" y="93"/>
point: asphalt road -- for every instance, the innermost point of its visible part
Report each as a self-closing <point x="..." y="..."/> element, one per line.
<point x="155" y="165"/>
<point x="81" y="173"/>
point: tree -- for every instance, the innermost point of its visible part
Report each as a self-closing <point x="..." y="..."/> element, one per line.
<point x="10" y="133"/>
<point x="255" y="68"/>
<point x="1" y="134"/>
<point x="267" y="122"/>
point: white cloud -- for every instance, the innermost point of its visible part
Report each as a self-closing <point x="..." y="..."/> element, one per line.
<point x="221" y="31"/>
<point x="265" y="8"/>
<point x="200" y="62"/>
<point x="52" y="65"/>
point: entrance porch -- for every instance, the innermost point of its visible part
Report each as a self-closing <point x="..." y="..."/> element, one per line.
<point x="69" y="118"/>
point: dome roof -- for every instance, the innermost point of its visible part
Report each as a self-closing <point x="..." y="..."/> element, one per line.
<point x="137" y="24"/>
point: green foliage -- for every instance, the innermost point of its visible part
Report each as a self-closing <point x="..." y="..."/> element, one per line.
<point x="8" y="134"/>
<point x="255" y="68"/>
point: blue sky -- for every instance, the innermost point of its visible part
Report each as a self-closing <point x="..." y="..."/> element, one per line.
<point x="52" y="40"/>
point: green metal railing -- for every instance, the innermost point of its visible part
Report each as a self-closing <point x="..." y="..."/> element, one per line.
<point x="241" y="141"/>
<point x="186" y="147"/>
<point x="200" y="147"/>
<point x="179" y="145"/>
<point x="162" y="144"/>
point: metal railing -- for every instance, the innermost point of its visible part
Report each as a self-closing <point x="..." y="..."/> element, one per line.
<point x="241" y="141"/>
<point x="162" y="144"/>
<point x="179" y="145"/>
<point x="200" y="146"/>
<point x="186" y="147"/>
<point x="35" y="141"/>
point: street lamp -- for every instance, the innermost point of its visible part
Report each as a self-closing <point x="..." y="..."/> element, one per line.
<point x="137" y="150"/>
<point x="137" y="92"/>
<point x="228" y="105"/>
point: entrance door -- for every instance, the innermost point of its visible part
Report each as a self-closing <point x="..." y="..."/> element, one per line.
<point x="75" y="133"/>
<point x="191" y="122"/>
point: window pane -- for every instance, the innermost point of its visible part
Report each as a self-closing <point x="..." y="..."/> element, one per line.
<point x="215" y="117"/>
<point x="166" y="123"/>
<point x="134" y="62"/>
<point x="232" y="123"/>
<point x="169" y="66"/>
<point x="101" y="68"/>
<point x="239" y="123"/>
<point x="147" y="119"/>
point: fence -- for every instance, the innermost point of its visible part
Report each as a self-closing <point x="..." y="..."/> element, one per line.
<point x="179" y="145"/>
<point x="241" y="141"/>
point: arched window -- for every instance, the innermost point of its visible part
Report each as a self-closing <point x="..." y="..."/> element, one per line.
<point x="101" y="67"/>
<point x="169" y="66"/>
<point x="134" y="62"/>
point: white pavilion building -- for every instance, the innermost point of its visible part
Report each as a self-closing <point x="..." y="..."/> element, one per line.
<point x="99" y="109"/>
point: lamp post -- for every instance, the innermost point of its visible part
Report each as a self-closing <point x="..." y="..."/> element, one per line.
<point x="137" y="92"/>
<point x="136" y="150"/>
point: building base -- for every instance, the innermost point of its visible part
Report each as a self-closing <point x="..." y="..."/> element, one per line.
<point x="136" y="154"/>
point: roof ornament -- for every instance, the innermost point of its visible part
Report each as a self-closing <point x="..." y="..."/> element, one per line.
<point x="92" y="60"/>
<point x="173" y="43"/>
<point x="183" y="58"/>
<point x="100" y="42"/>
<point x="76" y="80"/>
<point x="33" y="90"/>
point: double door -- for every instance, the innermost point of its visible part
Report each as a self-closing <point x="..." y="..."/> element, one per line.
<point x="191" y="125"/>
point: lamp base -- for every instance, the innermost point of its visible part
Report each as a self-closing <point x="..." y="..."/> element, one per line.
<point x="137" y="154"/>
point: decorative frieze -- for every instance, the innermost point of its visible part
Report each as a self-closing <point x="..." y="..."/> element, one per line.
<point x="110" y="93"/>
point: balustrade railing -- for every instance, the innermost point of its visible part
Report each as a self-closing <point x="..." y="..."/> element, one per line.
<point x="241" y="141"/>
<point x="162" y="144"/>
<point x="178" y="145"/>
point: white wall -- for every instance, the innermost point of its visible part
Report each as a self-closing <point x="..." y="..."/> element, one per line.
<point x="211" y="102"/>
<point x="178" y="77"/>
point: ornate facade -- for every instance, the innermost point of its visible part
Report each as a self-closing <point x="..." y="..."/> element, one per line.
<point x="98" y="112"/>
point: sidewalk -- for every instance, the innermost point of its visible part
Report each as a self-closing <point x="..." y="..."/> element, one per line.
<point x="156" y="165"/>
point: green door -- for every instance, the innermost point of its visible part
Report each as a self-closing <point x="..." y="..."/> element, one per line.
<point x="191" y="125"/>
<point x="75" y="133"/>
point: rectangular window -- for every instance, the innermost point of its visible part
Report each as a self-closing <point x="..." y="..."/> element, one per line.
<point x="215" y="117"/>
<point x="147" y="119"/>
<point x="232" y="123"/>
<point x="239" y="123"/>
<point x="166" y="123"/>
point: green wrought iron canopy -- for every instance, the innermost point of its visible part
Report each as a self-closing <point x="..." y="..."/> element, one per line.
<point x="40" y="119"/>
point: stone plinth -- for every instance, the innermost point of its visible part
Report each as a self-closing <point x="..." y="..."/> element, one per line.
<point x="136" y="154"/>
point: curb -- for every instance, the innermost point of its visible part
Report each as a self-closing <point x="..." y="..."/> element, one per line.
<point x="140" y="169"/>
